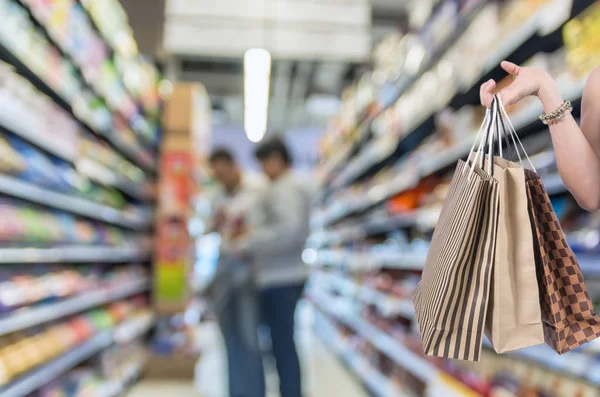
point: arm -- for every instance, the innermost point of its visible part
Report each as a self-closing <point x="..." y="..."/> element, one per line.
<point x="285" y="231"/>
<point x="577" y="149"/>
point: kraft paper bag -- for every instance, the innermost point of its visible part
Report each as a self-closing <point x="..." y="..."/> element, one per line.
<point x="514" y="319"/>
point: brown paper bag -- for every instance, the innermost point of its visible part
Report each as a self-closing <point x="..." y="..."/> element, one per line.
<point x="514" y="319"/>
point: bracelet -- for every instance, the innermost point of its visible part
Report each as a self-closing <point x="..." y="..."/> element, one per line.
<point x="556" y="115"/>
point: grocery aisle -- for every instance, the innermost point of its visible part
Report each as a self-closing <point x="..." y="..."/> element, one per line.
<point x="324" y="372"/>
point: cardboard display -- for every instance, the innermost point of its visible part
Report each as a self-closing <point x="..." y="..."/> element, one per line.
<point x="185" y="147"/>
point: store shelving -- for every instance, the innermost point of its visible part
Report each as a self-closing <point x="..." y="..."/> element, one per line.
<point x="65" y="110"/>
<point x="386" y="304"/>
<point x="110" y="135"/>
<point x="373" y="380"/>
<point x="17" y="188"/>
<point x="30" y="316"/>
<point x="403" y="357"/>
<point x="367" y="160"/>
<point x="46" y="373"/>
<point x="74" y="254"/>
<point x="575" y="363"/>
<point x="579" y="364"/>
<point x="389" y="93"/>
<point x="55" y="368"/>
<point x="371" y="260"/>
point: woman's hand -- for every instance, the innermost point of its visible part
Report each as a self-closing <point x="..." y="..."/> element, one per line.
<point x="528" y="82"/>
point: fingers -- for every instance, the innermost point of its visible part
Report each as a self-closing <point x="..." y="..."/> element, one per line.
<point x="510" y="67"/>
<point x="485" y="93"/>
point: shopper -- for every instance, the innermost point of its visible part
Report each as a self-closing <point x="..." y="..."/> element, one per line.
<point x="232" y="206"/>
<point x="577" y="149"/>
<point x="276" y="248"/>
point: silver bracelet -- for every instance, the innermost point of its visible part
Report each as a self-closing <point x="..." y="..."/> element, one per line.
<point x="556" y="115"/>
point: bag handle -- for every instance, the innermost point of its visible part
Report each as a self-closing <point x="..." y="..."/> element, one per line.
<point x="490" y="126"/>
<point x="512" y="132"/>
<point x="478" y="138"/>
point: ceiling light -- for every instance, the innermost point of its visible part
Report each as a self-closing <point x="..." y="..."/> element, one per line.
<point x="257" y="74"/>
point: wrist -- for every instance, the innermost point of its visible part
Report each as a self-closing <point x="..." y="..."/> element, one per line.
<point x="550" y="96"/>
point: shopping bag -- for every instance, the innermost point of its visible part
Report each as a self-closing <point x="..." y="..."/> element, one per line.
<point x="452" y="297"/>
<point x="514" y="319"/>
<point x="568" y="314"/>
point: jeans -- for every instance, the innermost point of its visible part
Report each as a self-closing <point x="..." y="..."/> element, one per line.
<point x="238" y="320"/>
<point x="278" y="306"/>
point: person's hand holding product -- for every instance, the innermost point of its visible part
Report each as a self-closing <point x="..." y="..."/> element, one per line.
<point x="577" y="149"/>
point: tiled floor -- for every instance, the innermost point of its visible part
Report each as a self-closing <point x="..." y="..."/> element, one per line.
<point x="324" y="375"/>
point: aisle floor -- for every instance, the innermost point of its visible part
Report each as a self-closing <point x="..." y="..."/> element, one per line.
<point x="324" y="374"/>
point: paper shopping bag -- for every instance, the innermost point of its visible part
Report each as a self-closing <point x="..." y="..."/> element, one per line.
<point x="452" y="297"/>
<point x="514" y="319"/>
<point x="568" y="315"/>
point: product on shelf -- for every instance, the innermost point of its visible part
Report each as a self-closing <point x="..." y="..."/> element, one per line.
<point x="31" y="114"/>
<point x="22" y="351"/>
<point x="28" y="224"/>
<point x="48" y="283"/>
<point x="108" y="375"/>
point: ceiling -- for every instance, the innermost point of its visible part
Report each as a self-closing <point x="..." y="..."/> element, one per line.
<point x="297" y="86"/>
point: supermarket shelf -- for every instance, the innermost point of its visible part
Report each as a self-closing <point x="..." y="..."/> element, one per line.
<point x="23" y="129"/>
<point x="374" y="259"/>
<point x="572" y="91"/>
<point x="112" y="55"/>
<point x="70" y="254"/>
<point x="574" y="363"/>
<point x="406" y="82"/>
<point x="38" y="378"/>
<point x="376" y="195"/>
<point x="370" y="225"/>
<point x="389" y="94"/>
<point x="114" y="139"/>
<point x="27" y="317"/>
<point x="343" y="155"/>
<point x="23" y="190"/>
<point x="133" y="329"/>
<point x="387" y="305"/>
<point x="403" y="357"/>
<point x="373" y="380"/>
<point x="374" y="152"/>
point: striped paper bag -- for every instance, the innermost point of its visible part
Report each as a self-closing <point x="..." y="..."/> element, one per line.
<point x="452" y="297"/>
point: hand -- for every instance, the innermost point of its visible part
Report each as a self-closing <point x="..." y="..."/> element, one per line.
<point x="528" y="82"/>
<point x="235" y="248"/>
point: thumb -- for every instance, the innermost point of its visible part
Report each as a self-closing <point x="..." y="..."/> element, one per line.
<point x="510" y="67"/>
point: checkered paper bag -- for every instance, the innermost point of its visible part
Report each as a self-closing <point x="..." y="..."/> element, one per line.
<point x="568" y="315"/>
<point x="452" y="297"/>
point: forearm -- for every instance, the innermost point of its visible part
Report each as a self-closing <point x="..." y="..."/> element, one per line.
<point x="578" y="163"/>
